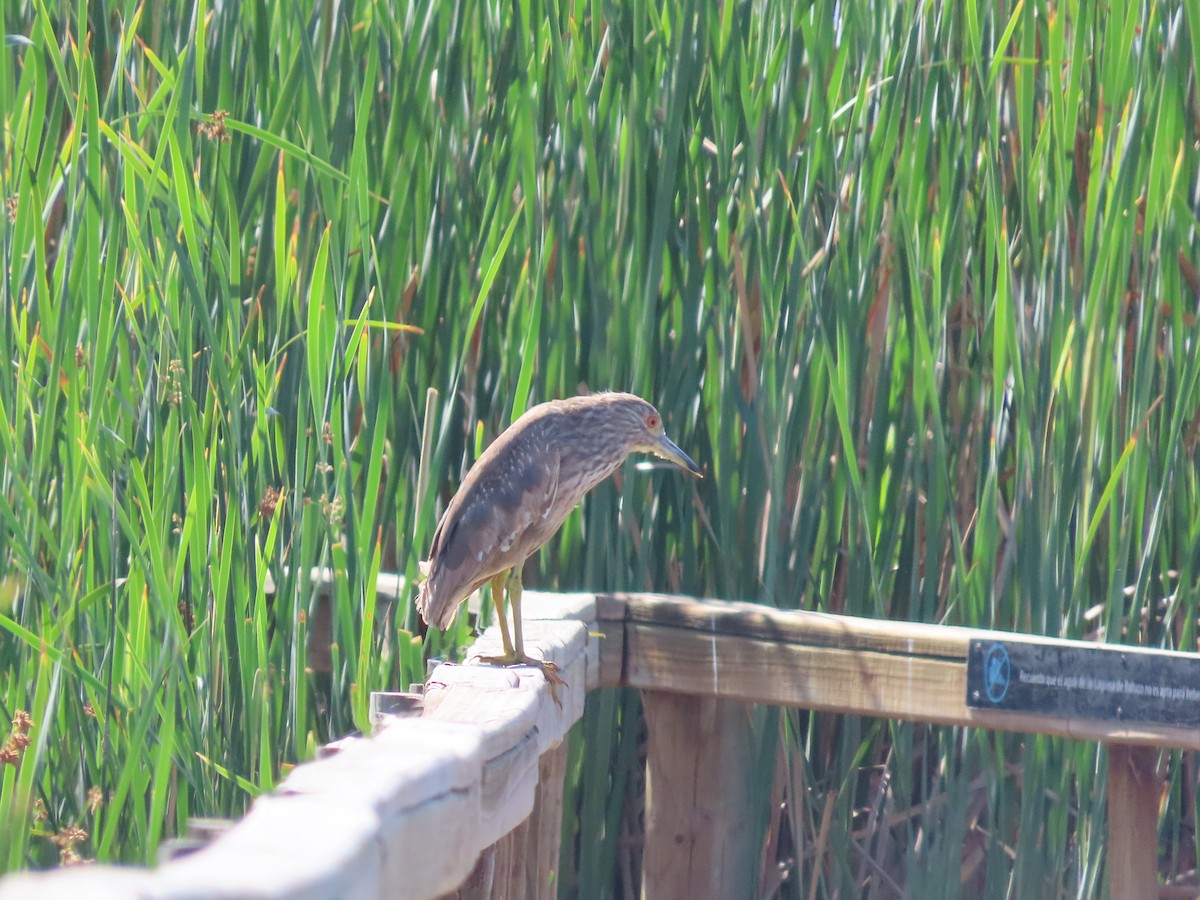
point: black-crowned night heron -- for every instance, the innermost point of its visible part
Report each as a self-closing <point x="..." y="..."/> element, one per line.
<point x="518" y="494"/>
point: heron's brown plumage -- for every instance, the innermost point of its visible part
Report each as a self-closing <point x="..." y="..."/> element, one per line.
<point x="526" y="483"/>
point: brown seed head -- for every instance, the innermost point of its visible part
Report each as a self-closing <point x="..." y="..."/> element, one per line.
<point x="69" y="836"/>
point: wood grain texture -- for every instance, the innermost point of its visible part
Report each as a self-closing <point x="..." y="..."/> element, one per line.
<point x="479" y="882"/>
<point x="1133" y="796"/>
<point x="756" y="671"/>
<point x="523" y="864"/>
<point x="700" y="837"/>
<point x="839" y="664"/>
<point x="515" y="713"/>
<point x="512" y="873"/>
<point x="546" y="824"/>
<point x="611" y="615"/>
<point x="736" y="618"/>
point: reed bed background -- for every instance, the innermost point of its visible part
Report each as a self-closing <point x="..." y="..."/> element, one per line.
<point x="915" y="283"/>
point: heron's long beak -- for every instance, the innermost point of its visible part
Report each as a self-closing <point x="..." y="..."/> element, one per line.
<point x="669" y="450"/>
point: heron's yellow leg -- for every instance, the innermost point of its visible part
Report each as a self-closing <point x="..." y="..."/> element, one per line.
<point x="514" y="653"/>
<point x="514" y="599"/>
<point x="501" y="621"/>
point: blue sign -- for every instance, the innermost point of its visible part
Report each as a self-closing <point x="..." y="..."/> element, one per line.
<point x="996" y="672"/>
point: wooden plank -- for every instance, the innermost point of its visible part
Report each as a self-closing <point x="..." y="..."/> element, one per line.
<point x="413" y="795"/>
<point x="862" y="682"/>
<point x="855" y="681"/>
<point x="509" y="720"/>
<point x="561" y="642"/>
<point x="700" y="840"/>
<point x="546" y="823"/>
<point x="519" y="724"/>
<point x="403" y="808"/>
<point x="797" y="626"/>
<point x="414" y="810"/>
<point x="439" y="805"/>
<point x="524" y="862"/>
<point x="611" y="613"/>
<point x="523" y="732"/>
<point x="610" y="653"/>
<point x="94" y="882"/>
<point x="425" y="782"/>
<point x="305" y="846"/>
<point x="384" y="706"/>
<point x="545" y="606"/>
<point x="523" y="865"/>
<point x="732" y="618"/>
<point x="479" y="882"/>
<point x="1133" y="796"/>
<point x="558" y="607"/>
<point x="613" y="606"/>
<point x="511" y="881"/>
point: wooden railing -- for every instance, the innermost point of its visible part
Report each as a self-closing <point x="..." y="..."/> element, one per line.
<point x="466" y="798"/>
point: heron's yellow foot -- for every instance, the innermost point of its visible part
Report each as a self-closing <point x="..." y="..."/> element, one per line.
<point x="548" y="669"/>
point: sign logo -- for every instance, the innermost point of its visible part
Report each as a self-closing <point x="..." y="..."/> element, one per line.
<point x="996" y="671"/>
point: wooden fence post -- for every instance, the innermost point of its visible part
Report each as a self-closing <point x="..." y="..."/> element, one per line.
<point x="546" y="823"/>
<point x="523" y="865"/>
<point x="699" y="836"/>
<point x="1133" y="795"/>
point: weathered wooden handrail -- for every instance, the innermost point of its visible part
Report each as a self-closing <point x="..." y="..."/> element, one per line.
<point x="467" y="798"/>
<point x="468" y="792"/>
<point x="845" y="664"/>
<point x="707" y="659"/>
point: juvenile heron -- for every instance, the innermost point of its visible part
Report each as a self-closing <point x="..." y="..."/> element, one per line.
<point x="518" y="494"/>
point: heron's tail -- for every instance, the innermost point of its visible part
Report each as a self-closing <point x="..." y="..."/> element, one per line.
<point x="430" y="605"/>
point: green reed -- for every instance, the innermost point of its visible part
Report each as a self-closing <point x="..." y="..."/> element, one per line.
<point x="916" y="285"/>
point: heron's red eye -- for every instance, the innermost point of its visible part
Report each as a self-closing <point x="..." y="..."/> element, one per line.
<point x="651" y="421"/>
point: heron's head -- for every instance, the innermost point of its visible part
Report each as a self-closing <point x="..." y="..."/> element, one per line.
<point x="639" y="426"/>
